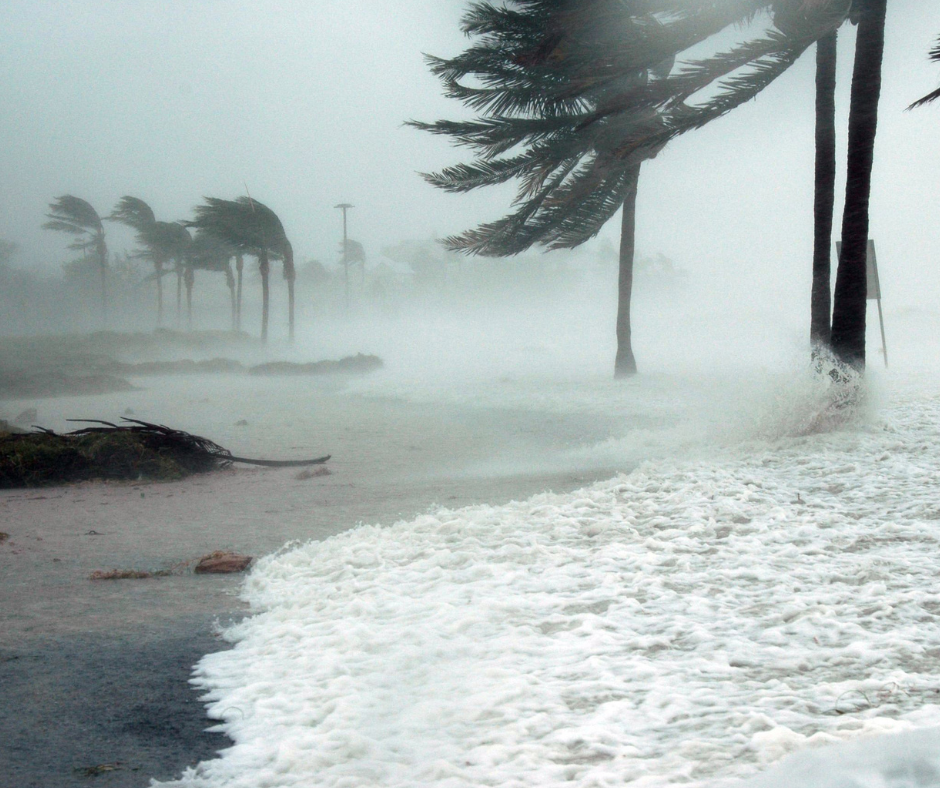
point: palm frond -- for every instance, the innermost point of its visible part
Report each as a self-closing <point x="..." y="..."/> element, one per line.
<point x="133" y="212"/>
<point x="76" y="212"/>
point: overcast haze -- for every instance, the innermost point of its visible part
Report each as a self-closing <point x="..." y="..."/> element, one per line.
<point x="304" y="102"/>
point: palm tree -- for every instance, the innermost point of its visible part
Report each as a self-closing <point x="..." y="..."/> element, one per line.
<point x="825" y="190"/>
<point x="158" y="239"/>
<point x="851" y="293"/>
<point x="574" y="121"/>
<point x="253" y="229"/>
<point x="210" y="253"/>
<point x="587" y="91"/>
<point x="179" y="243"/>
<point x="77" y="217"/>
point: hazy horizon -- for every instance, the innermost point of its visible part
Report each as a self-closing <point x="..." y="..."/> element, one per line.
<point x="304" y="105"/>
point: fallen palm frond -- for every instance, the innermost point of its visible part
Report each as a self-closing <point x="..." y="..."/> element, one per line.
<point x="136" y="450"/>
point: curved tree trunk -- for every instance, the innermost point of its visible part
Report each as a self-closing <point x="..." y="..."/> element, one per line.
<point x="239" y="267"/>
<point x="179" y="293"/>
<point x="189" y="276"/>
<point x="265" y="267"/>
<point x="290" y="306"/>
<point x="625" y="363"/>
<point x="103" y="266"/>
<point x="290" y="274"/>
<point x="850" y="304"/>
<point x="824" y="201"/>
<point x="158" y="270"/>
<point x="230" y="282"/>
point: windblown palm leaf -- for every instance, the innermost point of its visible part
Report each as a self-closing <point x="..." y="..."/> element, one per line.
<point x="935" y="56"/>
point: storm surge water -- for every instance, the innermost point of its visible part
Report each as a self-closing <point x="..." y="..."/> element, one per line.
<point x="756" y="580"/>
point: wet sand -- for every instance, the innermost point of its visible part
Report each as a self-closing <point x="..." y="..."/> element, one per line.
<point x="94" y="673"/>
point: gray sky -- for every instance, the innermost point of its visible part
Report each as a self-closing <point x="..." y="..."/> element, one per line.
<point x="304" y="102"/>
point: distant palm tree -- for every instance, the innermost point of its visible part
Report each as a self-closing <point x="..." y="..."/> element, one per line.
<point x="210" y="253"/>
<point x="180" y="245"/>
<point x="158" y="239"/>
<point x="254" y="229"/>
<point x="77" y="217"/>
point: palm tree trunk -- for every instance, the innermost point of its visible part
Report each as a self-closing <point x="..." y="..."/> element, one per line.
<point x="158" y="270"/>
<point x="850" y="305"/>
<point x="265" y="268"/>
<point x="179" y="294"/>
<point x="103" y="264"/>
<point x="239" y="266"/>
<point x="290" y="307"/>
<point x="190" y="278"/>
<point x="230" y="282"/>
<point x="625" y="363"/>
<point x="824" y="201"/>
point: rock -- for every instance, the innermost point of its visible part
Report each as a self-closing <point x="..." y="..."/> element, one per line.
<point x="241" y="423"/>
<point x="128" y="411"/>
<point x="222" y="562"/>
<point x="3" y="537"/>
<point x="311" y="473"/>
<point x="27" y="417"/>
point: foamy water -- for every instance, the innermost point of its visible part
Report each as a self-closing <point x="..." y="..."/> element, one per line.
<point x="756" y="587"/>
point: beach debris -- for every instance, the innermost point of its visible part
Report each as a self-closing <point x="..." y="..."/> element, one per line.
<point x="312" y="473"/>
<point x="131" y="451"/>
<point x="3" y="537"/>
<point x="27" y="417"/>
<point x="222" y="562"/>
<point x="94" y="771"/>
<point x="121" y="574"/>
<point x="241" y="423"/>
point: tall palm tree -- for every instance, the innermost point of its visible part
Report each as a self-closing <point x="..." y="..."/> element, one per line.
<point x="77" y="217"/>
<point x="851" y="294"/>
<point x="825" y="190"/>
<point x="253" y="229"/>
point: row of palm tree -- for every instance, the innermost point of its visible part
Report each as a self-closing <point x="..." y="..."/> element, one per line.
<point x="224" y="230"/>
<point x="574" y="95"/>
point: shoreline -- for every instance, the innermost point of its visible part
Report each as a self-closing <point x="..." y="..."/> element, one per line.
<point x="95" y="673"/>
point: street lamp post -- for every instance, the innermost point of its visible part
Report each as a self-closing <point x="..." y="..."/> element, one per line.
<point x="345" y="206"/>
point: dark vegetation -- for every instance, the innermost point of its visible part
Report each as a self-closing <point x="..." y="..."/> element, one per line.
<point x="132" y="451"/>
<point x="109" y="452"/>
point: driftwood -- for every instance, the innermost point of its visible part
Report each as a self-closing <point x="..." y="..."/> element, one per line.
<point x="135" y="450"/>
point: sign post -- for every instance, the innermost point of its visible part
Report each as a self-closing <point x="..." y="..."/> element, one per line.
<point x="874" y="289"/>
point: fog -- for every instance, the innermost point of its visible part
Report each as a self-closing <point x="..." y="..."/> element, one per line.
<point x="496" y="383"/>
<point x="303" y="105"/>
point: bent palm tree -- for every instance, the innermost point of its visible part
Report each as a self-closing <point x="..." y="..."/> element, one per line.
<point x="156" y="238"/>
<point x="252" y="228"/>
<point x="573" y="96"/>
<point x="77" y="217"/>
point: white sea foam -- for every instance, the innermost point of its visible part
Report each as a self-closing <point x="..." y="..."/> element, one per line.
<point x="692" y="622"/>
